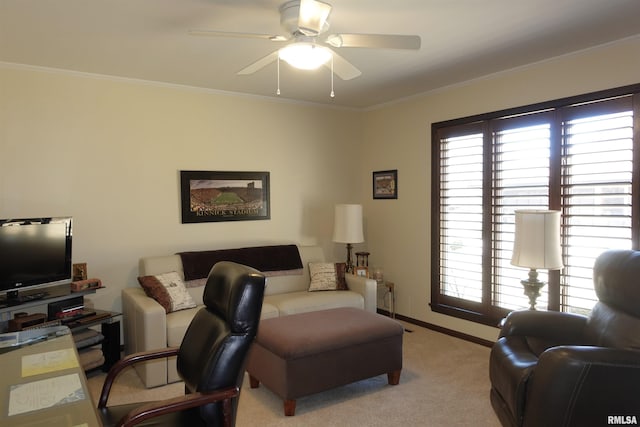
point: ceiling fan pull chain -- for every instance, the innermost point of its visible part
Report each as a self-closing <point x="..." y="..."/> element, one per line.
<point x="278" y="63"/>
<point x="332" y="94"/>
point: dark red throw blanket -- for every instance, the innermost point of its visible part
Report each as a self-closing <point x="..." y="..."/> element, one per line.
<point x="197" y="264"/>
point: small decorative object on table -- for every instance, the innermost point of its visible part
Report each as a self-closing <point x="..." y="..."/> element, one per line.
<point x="361" y="271"/>
<point x="80" y="271"/>
<point x="362" y="259"/>
<point x="83" y="285"/>
<point x="362" y="264"/>
<point x="377" y="274"/>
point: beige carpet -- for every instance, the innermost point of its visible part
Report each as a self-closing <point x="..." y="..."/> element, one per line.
<point x="444" y="382"/>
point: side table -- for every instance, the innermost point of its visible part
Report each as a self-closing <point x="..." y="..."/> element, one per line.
<point x="391" y="291"/>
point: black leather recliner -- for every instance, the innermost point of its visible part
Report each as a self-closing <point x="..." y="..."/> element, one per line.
<point x="560" y="369"/>
<point x="211" y="359"/>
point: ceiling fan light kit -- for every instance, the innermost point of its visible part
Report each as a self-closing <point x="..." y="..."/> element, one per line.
<point x="305" y="56"/>
<point x="296" y="57"/>
<point x="307" y="21"/>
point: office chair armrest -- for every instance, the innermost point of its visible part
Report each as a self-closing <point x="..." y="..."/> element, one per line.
<point x="181" y="403"/>
<point x="128" y="361"/>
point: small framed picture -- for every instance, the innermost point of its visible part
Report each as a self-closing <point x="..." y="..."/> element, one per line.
<point x="79" y="271"/>
<point x="385" y="184"/>
<point x="361" y="271"/>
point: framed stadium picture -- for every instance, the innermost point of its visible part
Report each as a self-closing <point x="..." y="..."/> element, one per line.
<point x="213" y="196"/>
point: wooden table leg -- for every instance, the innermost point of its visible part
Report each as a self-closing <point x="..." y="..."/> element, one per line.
<point x="393" y="377"/>
<point x="253" y="381"/>
<point x="289" y="407"/>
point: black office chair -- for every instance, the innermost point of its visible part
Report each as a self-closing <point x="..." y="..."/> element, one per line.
<point x="210" y="360"/>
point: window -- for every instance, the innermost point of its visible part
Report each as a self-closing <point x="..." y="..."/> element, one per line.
<point x="574" y="155"/>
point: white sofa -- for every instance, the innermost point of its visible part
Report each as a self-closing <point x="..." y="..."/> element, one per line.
<point x="147" y="326"/>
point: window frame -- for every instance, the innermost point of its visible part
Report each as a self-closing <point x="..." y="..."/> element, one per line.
<point x="484" y="312"/>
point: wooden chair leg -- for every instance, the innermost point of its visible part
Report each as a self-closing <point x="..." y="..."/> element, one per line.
<point x="227" y="413"/>
<point x="289" y="407"/>
<point x="393" y="377"/>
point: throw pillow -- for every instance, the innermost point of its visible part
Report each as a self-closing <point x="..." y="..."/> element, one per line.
<point x="341" y="270"/>
<point x="168" y="290"/>
<point x="326" y="276"/>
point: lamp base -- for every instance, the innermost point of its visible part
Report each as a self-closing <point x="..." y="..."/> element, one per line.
<point x="349" y="268"/>
<point x="532" y="288"/>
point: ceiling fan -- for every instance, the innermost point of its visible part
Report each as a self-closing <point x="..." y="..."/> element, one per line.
<point x="307" y="23"/>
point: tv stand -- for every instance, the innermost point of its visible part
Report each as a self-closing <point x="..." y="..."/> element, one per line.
<point x="109" y="322"/>
<point x="28" y="297"/>
<point x="14" y="298"/>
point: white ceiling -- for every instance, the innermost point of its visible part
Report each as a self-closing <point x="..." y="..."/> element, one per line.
<point x="461" y="40"/>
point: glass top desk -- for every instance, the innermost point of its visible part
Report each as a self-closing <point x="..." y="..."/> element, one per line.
<point x="42" y="383"/>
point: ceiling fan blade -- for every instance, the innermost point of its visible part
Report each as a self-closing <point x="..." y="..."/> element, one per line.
<point x="343" y="68"/>
<point x="259" y="64"/>
<point x="208" y="33"/>
<point x="381" y="41"/>
<point x="312" y="17"/>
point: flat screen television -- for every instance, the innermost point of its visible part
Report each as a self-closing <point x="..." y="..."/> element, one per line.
<point x="34" y="253"/>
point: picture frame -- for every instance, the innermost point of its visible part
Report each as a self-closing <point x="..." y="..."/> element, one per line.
<point x="79" y="271"/>
<point x="385" y="184"/>
<point x="361" y="271"/>
<point x="214" y="196"/>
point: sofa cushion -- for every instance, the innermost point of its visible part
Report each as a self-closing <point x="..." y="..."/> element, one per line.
<point x="177" y="324"/>
<point x="159" y="265"/>
<point x="303" y="302"/>
<point x="269" y="311"/>
<point x="196" y="293"/>
<point x="168" y="290"/>
<point x="296" y="282"/>
<point x="326" y="276"/>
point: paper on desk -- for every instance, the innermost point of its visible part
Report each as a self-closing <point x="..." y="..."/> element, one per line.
<point x="45" y="393"/>
<point x="50" y="361"/>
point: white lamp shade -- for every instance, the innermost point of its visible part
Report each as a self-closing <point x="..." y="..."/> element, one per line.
<point x="347" y="225"/>
<point x="537" y="240"/>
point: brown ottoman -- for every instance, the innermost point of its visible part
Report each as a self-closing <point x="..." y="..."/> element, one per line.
<point x="302" y="354"/>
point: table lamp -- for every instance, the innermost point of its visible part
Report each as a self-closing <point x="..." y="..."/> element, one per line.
<point x="536" y="245"/>
<point x="347" y="228"/>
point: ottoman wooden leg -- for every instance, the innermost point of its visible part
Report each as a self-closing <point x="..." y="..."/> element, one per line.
<point x="253" y="382"/>
<point x="393" y="377"/>
<point x="289" y="407"/>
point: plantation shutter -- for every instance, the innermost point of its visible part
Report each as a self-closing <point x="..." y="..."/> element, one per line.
<point x="521" y="165"/>
<point x="597" y="172"/>
<point x="577" y="156"/>
<point x="460" y="231"/>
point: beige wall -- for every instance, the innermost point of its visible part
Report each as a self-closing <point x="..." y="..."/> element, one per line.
<point x="109" y="153"/>
<point x="398" y="137"/>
